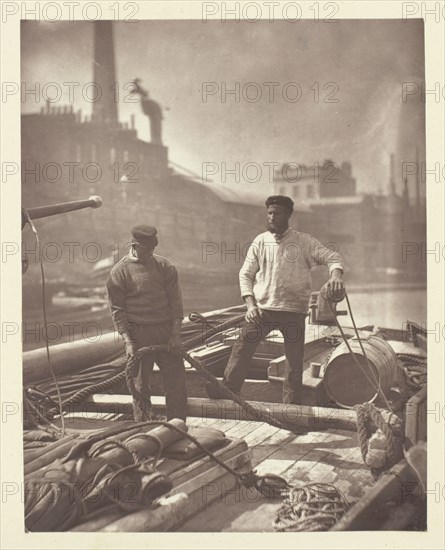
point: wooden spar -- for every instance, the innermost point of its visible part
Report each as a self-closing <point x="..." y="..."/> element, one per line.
<point x="99" y="521"/>
<point x="70" y="356"/>
<point x="415" y="416"/>
<point x="57" y="452"/>
<point x="315" y="418"/>
<point x="170" y="511"/>
<point x="35" y="454"/>
<point x="143" y="447"/>
<point x="61" y="207"/>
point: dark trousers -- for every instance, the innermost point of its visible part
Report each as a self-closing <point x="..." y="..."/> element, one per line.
<point x="172" y="372"/>
<point x="292" y="327"/>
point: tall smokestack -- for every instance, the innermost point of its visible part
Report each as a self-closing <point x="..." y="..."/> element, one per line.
<point x="105" y="108"/>
<point x="392" y="183"/>
<point x="416" y="175"/>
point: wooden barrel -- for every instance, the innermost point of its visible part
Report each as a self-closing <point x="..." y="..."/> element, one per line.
<point x="346" y="384"/>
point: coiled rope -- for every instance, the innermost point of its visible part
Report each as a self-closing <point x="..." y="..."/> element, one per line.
<point x="45" y="323"/>
<point x="311" y="507"/>
<point x="414" y="370"/>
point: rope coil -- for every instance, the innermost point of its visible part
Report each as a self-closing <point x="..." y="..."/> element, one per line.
<point x="311" y="507"/>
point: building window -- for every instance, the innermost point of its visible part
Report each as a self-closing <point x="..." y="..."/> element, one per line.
<point x="310" y="192"/>
<point x="295" y="191"/>
<point x="112" y="155"/>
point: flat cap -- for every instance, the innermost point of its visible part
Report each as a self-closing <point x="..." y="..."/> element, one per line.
<point x="145" y="234"/>
<point x="281" y="200"/>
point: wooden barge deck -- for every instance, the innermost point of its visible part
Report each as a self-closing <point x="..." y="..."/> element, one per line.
<point x="332" y="456"/>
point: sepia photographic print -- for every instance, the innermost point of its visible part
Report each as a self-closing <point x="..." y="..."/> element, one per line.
<point x="222" y="304"/>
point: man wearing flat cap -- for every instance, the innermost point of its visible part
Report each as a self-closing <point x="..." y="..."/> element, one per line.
<point x="146" y="306"/>
<point x="275" y="285"/>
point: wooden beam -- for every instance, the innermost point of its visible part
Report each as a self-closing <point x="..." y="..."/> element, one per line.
<point x="315" y="418"/>
<point x="397" y="485"/>
<point x="415" y="418"/>
<point x="170" y="511"/>
<point x="71" y="357"/>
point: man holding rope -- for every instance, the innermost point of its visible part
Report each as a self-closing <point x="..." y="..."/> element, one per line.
<point x="146" y="307"/>
<point x="275" y="285"/>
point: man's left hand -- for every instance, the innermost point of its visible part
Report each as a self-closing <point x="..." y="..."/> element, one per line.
<point x="174" y="344"/>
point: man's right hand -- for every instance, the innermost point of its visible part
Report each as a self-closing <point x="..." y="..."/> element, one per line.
<point x="130" y="349"/>
<point x="253" y="314"/>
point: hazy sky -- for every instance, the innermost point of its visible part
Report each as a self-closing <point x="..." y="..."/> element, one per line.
<point x="367" y="62"/>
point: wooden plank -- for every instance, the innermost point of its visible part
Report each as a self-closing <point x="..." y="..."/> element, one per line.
<point x="217" y="502"/>
<point x="238" y="462"/>
<point x="341" y="465"/>
<point x="270" y="445"/>
<point x="223" y="424"/>
<point x="415" y="418"/>
<point x="316" y="418"/>
<point x="287" y="457"/>
<point x="350" y="474"/>
<point x="242" y="428"/>
<point x="391" y="486"/>
<point x="211" y="485"/>
<point x="260" y="434"/>
<point x="180" y="473"/>
<point x="309" y="469"/>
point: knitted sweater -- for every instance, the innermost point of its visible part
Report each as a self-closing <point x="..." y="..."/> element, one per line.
<point x="143" y="293"/>
<point x="277" y="274"/>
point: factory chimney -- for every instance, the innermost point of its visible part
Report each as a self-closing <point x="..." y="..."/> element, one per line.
<point x="105" y="108"/>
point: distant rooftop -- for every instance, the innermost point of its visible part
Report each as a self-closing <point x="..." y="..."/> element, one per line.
<point x="325" y="201"/>
<point x="228" y="194"/>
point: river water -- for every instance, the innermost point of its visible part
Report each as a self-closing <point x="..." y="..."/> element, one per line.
<point x="388" y="308"/>
<point x="383" y="308"/>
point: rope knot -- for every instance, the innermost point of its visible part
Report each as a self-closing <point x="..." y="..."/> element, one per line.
<point x="376" y="438"/>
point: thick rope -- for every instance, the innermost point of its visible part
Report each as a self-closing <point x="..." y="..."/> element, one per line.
<point x="266" y="484"/>
<point x="100" y="387"/>
<point x="107" y="384"/>
<point x="311" y="507"/>
<point x="257" y="414"/>
<point x="414" y="368"/>
<point x="368" y="417"/>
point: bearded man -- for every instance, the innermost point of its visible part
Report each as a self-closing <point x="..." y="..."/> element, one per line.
<point x="146" y="307"/>
<point x="275" y="285"/>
